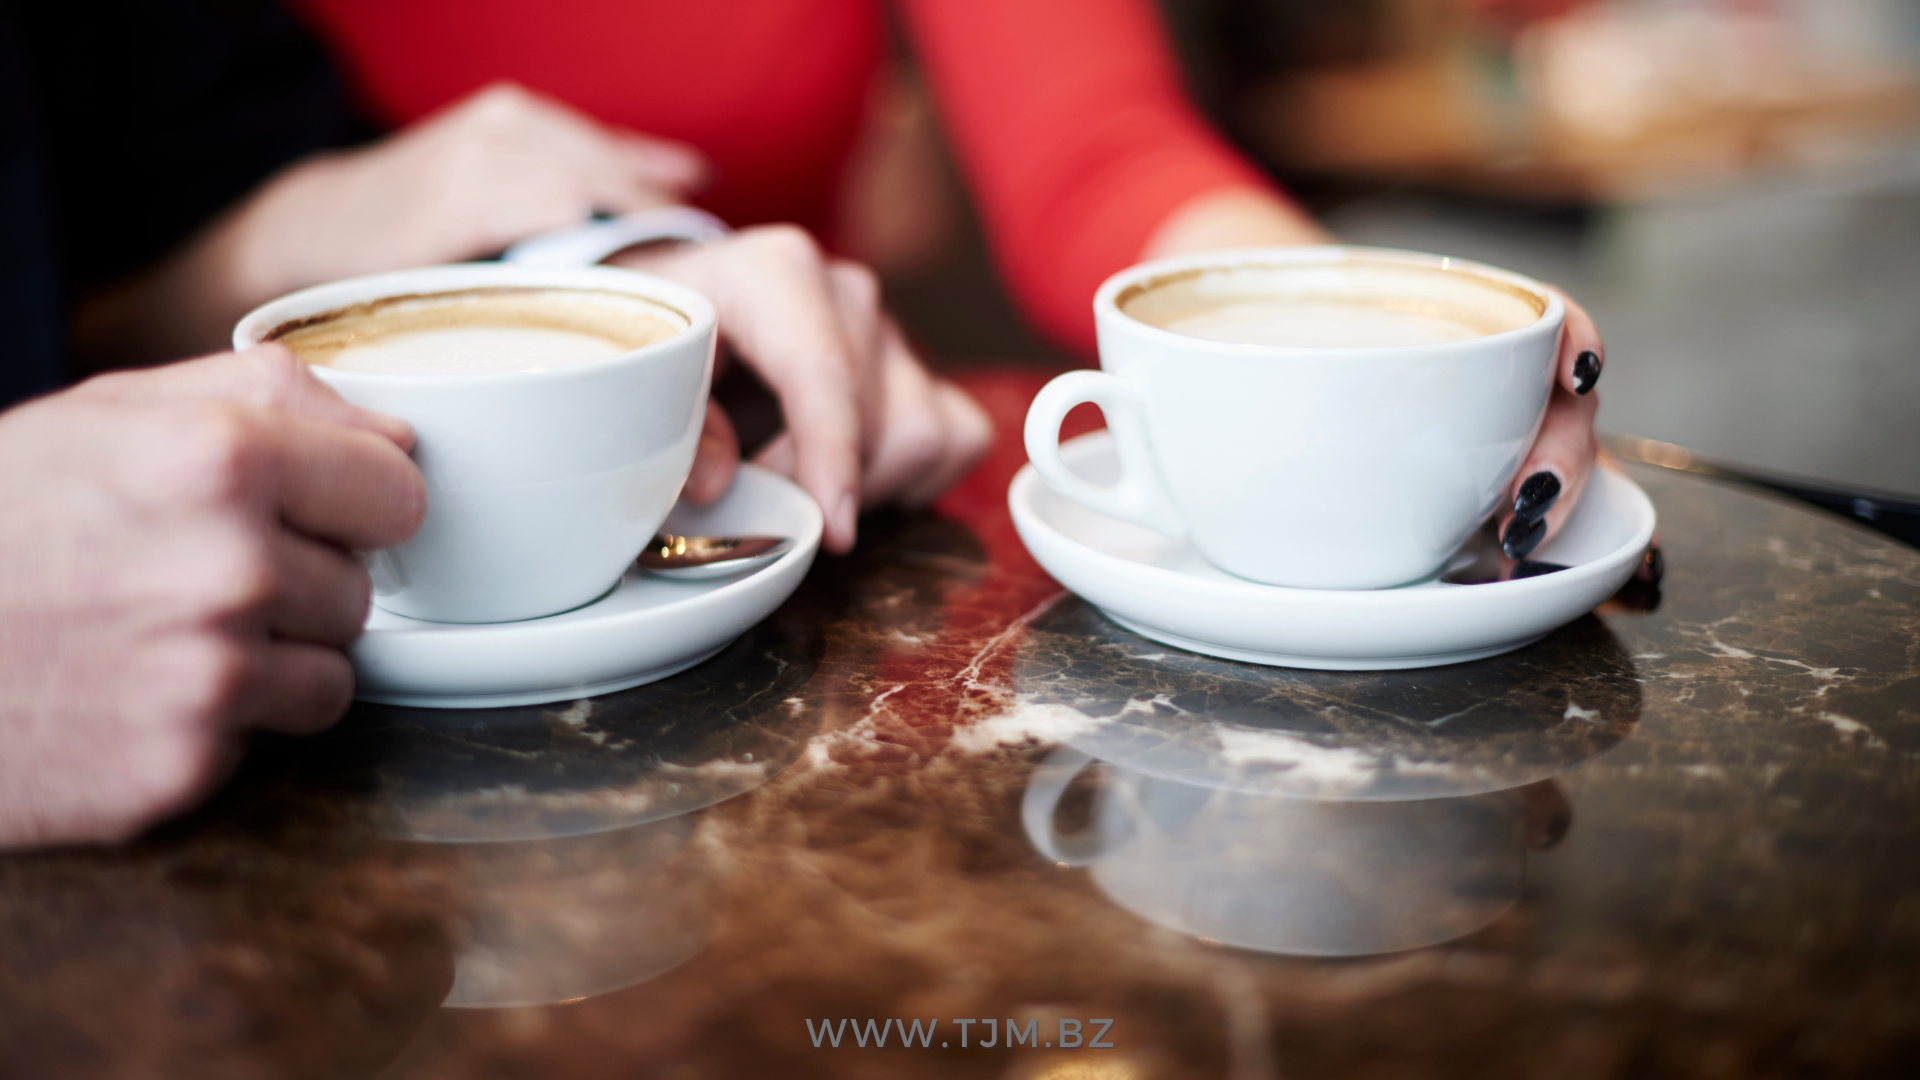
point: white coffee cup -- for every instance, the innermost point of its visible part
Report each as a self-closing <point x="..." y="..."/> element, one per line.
<point x="542" y="486"/>
<point x="1323" y="466"/>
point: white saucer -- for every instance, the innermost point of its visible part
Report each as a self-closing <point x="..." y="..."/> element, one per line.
<point x="1165" y="590"/>
<point x="645" y="629"/>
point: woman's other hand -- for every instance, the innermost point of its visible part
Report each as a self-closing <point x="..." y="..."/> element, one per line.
<point x="494" y="168"/>
<point x="866" y="422"/>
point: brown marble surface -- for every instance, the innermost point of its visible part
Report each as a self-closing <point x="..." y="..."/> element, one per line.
<point x="826" y="823"/>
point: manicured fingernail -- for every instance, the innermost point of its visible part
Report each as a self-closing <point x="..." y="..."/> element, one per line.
<point x="1586" y="368"/>
<point x="1522" y="536"/>
<point x="1536" y="497"/>
<point x="1527" y="568"/>
<point x="846" y="516"/>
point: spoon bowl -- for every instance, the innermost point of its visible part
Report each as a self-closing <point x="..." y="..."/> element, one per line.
<point x="701" y="558"/>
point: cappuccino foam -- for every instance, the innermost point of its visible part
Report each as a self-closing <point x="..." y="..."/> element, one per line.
<point x="1353" y="304"/>
<point x="480" y="331"/>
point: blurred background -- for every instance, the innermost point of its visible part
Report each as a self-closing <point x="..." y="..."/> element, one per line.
<point x="1732" y="187"/>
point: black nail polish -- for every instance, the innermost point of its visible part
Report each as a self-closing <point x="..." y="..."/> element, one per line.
<point x="1653" y="566"/>
<point x="1522" y="537"/>
<point x="1527" y="568"/>
<point x="1536" y="497"/>
<point x="1586" y="368"/>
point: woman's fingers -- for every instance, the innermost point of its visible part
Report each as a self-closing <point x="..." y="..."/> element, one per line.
<point x="969" y="434"/>
<point x="784" y="322"/>
<point x="1557" y="467"/>
<point x="663" y="163"/>
<point x="865" y="421"/>
<point x="716" y="460"/>
<point x="1554" y="475"/>
<point x="930" y="433"/>
<point x="1582" y="353"/>
<point x="856" y="296"/>
<point x="782" y="316"/>
<point x="913" y="432"/>
<point x="934" y="431"/>
<point x="779" y="455"/>
<point x="578" y="163"/>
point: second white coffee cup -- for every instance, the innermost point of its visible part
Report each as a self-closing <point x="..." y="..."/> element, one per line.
<point x="1322" y="465"/>
<point x="542" y="486"/>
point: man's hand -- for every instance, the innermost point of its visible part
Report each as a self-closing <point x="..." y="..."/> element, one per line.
<point x="176" y="568"/>
<point x="867" y="423"/>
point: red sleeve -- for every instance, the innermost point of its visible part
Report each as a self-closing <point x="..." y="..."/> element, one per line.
<point x="1076" y="136"/>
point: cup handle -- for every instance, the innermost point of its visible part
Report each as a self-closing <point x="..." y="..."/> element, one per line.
<point x="1138" y="497"/>
<point x="1043" y="793"/>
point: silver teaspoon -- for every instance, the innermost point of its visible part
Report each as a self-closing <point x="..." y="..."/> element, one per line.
<point x="697" y="558"/>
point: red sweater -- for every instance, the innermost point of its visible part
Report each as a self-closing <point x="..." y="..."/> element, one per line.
<point x="1067" y="115"/>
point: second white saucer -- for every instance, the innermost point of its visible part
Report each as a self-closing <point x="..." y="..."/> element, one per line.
<point x="646" y="628"/>
<point x="1163" y="589"/>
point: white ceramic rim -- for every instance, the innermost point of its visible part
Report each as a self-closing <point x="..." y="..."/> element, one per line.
<point x="1106" y="307"/>
<point x="460" y="277"/>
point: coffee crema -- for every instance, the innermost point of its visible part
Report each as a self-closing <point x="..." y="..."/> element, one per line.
<point x="480" y="331"/>
<point x="1351" y="304"/>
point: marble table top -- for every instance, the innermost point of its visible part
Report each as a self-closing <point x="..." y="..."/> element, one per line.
<point x="933" y="788"/>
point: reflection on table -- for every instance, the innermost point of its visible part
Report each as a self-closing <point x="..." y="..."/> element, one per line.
<point x="1305" y="812"/>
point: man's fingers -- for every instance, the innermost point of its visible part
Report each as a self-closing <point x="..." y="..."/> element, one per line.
<point x="263" y="377"/>
<point x="293" y="687"/>
<point x="1553" y="476"/>
<point x="346" y="487"/>
<point x="717" y="458"/>
<point x="320" y="592"/>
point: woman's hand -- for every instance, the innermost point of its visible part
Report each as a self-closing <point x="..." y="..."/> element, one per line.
<point x="867" y="423"/>
<point x="1557" y="468"/>
<point x="494" y="168"/>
